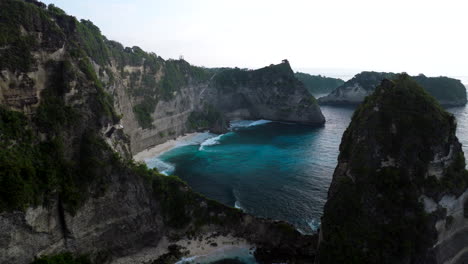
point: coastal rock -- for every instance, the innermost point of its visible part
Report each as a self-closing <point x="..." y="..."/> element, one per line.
<point x="398" y="190"/>
<point x="271" y="93"/>
<point x="448" y="91"/>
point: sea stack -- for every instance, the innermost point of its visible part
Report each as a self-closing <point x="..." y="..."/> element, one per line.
<point x="398" y="193"/>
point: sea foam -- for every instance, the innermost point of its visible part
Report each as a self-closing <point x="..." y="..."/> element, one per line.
<point x="211" y="141"/>
<point x="238" y="205"/>
<point x="248" y="123"/>
<point x="314" y="224"/>
<point x="163" y="167"/>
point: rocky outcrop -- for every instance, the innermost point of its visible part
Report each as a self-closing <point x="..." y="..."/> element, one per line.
<point x="68" y="98"/>
<point x="398" y="193"/>
<point x="271" y="93"/>
<point x="448" y="91"/>
<point x="130" y="223"/>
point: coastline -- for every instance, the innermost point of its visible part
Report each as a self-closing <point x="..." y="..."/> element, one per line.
<point x="206" y="248"/>
<point x="163" y="147"/>
<point x="212" y="247"/>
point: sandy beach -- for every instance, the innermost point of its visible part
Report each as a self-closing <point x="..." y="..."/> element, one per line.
<point x="161" y="148"/>
<point x="206" y="246"/>
<point x="200" y="249"/>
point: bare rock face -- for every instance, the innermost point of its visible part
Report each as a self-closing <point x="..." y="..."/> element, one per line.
<point x="398" y="190"/>
<point x="271" y="92"/>
<point x="448" y="91"/>
<point x="355" y="90"/>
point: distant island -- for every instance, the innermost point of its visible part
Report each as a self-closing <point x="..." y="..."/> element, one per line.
<point x="318" y="84"/>
<point x="448" y="91"/>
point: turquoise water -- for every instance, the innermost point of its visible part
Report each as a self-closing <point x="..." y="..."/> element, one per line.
<point x="275" y="170"/>
<point x="269" y="169"/>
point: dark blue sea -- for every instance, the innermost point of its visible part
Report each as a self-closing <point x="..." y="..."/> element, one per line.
<point x="270" y="169"/>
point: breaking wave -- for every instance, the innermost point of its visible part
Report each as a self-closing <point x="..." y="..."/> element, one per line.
<point x="314" y="224"/>
<point x="238" y="205"/>
<point x="163" y="167"/>
<point x="248" y="123"/>
<point x="211" y="141"/>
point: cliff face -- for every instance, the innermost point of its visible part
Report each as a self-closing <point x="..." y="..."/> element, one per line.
<point x="155" y="99"/>
<point x="448" y="91"/>
<point x="228" y="94"/>
<point x="270" y="93"/>
<point x="399" y="189"/>
<point x="67" y="180"/>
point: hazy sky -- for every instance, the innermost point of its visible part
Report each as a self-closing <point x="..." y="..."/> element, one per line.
<point x="415" y="36"/>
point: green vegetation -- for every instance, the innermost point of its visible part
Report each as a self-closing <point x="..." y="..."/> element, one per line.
<point x="447" y="90"/>
<point x="181" y="207"/>
<point x="143" y="112"/>
<point x="280" y="75"/>
<point x="20" y="20"/>
<point x="317" y="84"/>
<point x="64" y="258"/>
<point x="442" y="88"/>
<point x="370" y="80"/>
<point x="31" y="170"/>
<point x="16" y="19"/>
<point x="207" y="118"/>
<point x="363" y="220"/>
<point x="92" y="42"/>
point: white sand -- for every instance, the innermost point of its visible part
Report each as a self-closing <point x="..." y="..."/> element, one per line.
<point x="209" y="245"/>
<point x="199" y="248"/>
<point x="161" y="148"/>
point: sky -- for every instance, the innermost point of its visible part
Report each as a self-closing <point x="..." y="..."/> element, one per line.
<point x="316" y="36"/>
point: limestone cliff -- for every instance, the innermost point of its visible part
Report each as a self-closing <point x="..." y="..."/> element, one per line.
<point x="271" y="93"/>
<point x="399" y="191"/>
<point x="67" y="180"/>
<point x="448" y="91"/>
<point x="222" y="95"/>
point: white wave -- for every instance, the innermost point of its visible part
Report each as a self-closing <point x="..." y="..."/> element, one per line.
<point x="163" y="167"/>
<point x="238" y="205"/>
<point x="314" y="224"/>
<point x="188" y="260"/>
<point x="210" y="142"/>
<point x="196" y="139"/>
<point x="248" y="123"/>
<point x="259" y="122"/>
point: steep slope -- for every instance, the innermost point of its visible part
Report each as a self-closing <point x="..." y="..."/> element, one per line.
<point x="67" y="180"/>
<point x="268" y="93"/>
<point x="154" y="97"/>
<point x="317" y="84"/>
<point x="448" y="91"/>
<point x="399" y="191"/>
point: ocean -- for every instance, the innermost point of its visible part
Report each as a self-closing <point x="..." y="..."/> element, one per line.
<point x="270" y="169"/>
